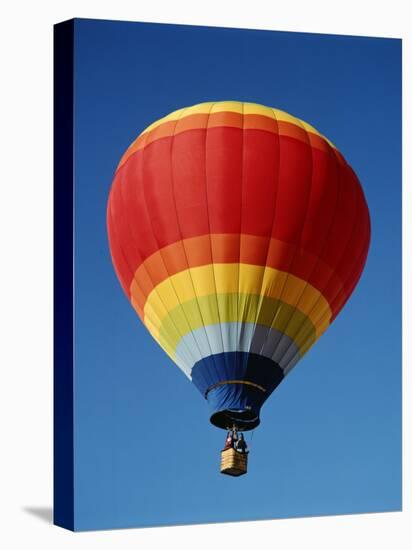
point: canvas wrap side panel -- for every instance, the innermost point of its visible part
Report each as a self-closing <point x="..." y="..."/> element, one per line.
<point x="63" y="505"/>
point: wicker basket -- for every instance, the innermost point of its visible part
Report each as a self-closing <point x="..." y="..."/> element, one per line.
<point x="233" y="463"/>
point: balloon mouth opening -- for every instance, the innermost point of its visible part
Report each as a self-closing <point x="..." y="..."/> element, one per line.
<point x="243" y="419"/>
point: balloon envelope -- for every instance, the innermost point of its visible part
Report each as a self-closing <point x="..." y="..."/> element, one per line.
<point x="238" y="232"/>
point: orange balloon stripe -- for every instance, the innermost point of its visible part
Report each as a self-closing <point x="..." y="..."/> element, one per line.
<point x="233" y="120"/>
<point x="220" y="249"/>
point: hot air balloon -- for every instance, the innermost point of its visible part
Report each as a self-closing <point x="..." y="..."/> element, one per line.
<point x="238" y="232"/>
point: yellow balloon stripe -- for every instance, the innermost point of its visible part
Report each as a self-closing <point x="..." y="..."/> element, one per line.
<point x="232" y="278"/>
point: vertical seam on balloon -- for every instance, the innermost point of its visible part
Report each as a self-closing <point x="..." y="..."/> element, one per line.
<point x="113" y="244"/>
<point x="360" y="254"/>
<point x="120" y="186"/>
<point x="147" y="273"/>
<point x="183" y="243"/>
<point x="356" y="266"/>
<point x="281" y="292"/>
<point x="210" y="238"/>
<point x="277" y="138"/>
<point x="346" y="247"/>
<point x="120" y="248"/>
<point x="240" y="239"/>
<point x="318" y="261"/>
<point x="164" y="263"/>
<point x="364" y="252"/>
<point x="298" y="248"/>
<point x="118" y="245"/>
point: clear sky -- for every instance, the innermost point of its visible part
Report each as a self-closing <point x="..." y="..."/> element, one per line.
<point x="330" y="437"/>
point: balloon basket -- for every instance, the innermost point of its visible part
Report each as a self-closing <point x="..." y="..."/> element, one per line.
<point x="233" y="463"/>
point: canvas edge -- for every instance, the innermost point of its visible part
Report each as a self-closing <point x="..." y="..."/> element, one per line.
<point x="63" y="370"/>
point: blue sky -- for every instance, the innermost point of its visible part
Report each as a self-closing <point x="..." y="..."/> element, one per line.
<point x="330" y="437"/>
